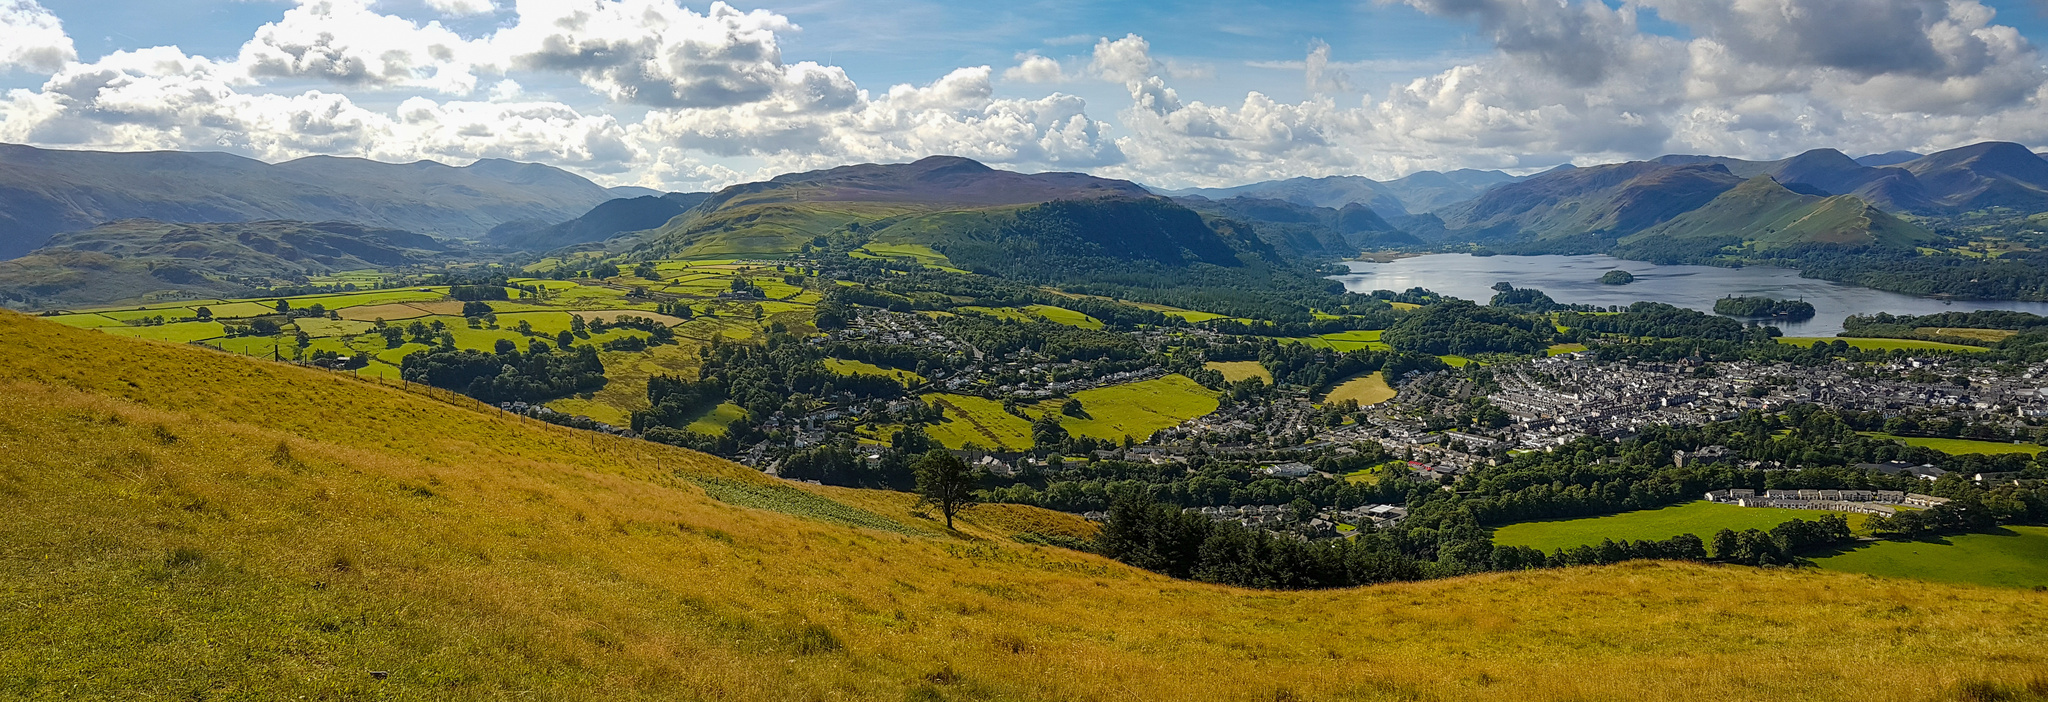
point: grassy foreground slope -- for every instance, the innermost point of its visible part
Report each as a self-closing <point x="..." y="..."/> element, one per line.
<point x="182" y="523"/>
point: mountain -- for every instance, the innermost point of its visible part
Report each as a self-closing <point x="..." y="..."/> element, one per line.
<point x="1588" y="206"/>
<point x="1989" y="174"/>
<point x="608" y="219"/>
<point x="45" y="191"/>
<point x="1331" y="191"/>
<point x="132" y="258"/>
<point x="632" y="191"/>
<point x="1888" y="158"/>
<point x="1762" y="215"/>
<point x="1416" y="193"/>
<point x="1299" y="231"/>
<point x="1830" y="172"/>
<point x="781" y="215"/>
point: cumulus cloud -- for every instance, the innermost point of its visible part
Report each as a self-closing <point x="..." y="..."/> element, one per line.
<point x="346" y="42"/>
<point x="1578" y="41"/>
<point x="32" y="38"/>
<point x="651" y="52"/>
<point x="1032" y="68"/>
<point x="462" y="8"/>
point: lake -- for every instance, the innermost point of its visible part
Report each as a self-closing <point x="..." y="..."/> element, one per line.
<point x="1575" y="280"/>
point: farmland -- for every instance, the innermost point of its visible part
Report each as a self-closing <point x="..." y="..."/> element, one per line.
<point x="1368" y="389"/>
<point x="1701" y="519"/>
<point x="2008" y="557"/>
<point x="1957" y="447"/>
<point x="1879" y="344"/>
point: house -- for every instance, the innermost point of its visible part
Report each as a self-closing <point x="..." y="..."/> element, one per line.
<point x="1923" y="471"/>
<point x="1290" y="470"/>
<point x="1704" y="456"/>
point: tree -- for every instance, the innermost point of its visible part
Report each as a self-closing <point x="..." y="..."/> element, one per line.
<point x="646" y="270"/>
<point x="284" y="306"/>
<point x="204" y="314"/>
<point x="564" y="338"/>
<point x="944" y="481"/>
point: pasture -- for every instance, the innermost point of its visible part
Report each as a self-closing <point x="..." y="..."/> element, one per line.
<point x="1234" y="371"/>
<point x="1136" y="410"/>
<point x="1870" y="344"/>
<point x="2008" y="557"/>
<point x="1958" y="447"/>
<point x="1699" y="518"/>
<point x="1368" y="389"/>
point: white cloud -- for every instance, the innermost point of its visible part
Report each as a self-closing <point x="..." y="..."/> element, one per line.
<point x="32" y="38"/>
<point x="347" y="43"/>
<point x="462" y="8"/>
<point x="1320" y="75"/>
<point x="1032" y="68"/>
<point x="651" y="52"/>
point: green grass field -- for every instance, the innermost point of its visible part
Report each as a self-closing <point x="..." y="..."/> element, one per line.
<point x="1699" y="518"/>
<point x="1137" y="409"/>
<point x="1234" y="371"/>
<point x="1355" y="340"/>
<point x="2010" y="557"/>
<point x="1065" y="316"/>
<point x="846" y="367"/>
<point x="1368" y="389"/>
<point x="180" y="332"/>
<point x="1957" y="447"/>
<point x="978" y="421"/>
<point x="1880" y="344"/>
<point x="715" y="420"/>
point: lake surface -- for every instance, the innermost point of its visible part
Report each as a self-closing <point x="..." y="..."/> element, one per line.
<point x="1575" y="280"/>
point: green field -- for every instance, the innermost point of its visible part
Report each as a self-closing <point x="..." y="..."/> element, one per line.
<point x="1355" y="340"/>
<point x="1065" y="316"/>
<point x="180" y="332"/>
<point x="1699" y="518"/>
<point x="1957" y="447"/>
<point x="1234" y="371"/>
<point x="978" y="421"/>
<point x="715" y="421"/>
<point x="1368" y="389"/>
<point x="2010" y="557"/>
<point x="1137" y="409"/>
<point x="1879" y="344"/>
<point x="846" y="367"/>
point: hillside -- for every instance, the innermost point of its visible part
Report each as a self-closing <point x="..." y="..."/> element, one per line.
<point x="1762" y="215"/>
<point x="185" y="523"/>
<point x="132" y="258"/>
<point x="609" y="219"/>
<point x="780" y="215"/>
<point x="45" y="191"/>
<point x="1299" y="231"/>
<point x="1990" y="174"/>
<point x="1589" y="207"/>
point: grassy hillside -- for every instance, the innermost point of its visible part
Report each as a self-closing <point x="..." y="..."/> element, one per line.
<point x="1760" y="214"/>
<point x="188" y="524"/>
<point x="133" y="258"/>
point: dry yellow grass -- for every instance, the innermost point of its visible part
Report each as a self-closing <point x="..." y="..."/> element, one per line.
<point x="1985" y="335"/>
<point x="182" y="523"/>
<point x="1368" y="389"/>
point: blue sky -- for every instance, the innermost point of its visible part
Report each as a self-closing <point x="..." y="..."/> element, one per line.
<point x="1189" y="93"/>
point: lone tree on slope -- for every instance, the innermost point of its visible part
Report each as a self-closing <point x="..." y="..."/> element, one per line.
<point x="944" y="481"/>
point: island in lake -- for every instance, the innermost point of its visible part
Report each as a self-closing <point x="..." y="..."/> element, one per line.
<point x="1753" y="307"/>
<point x="1617" y="277"/>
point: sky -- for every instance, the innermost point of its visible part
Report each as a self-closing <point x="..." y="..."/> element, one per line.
<point x="694" y="96"/>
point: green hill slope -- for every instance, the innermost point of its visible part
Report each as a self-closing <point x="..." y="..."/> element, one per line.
<point x="128" y="259"/>
<point x="188" y="524"/>
<point x="1593" y="206"/>
<point x="1761" y="215"/>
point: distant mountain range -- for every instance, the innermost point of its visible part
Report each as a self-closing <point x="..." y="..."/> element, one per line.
<point x="132" y="258"/>
<point x="1415" y="193"/>
<point x="1043" y="225"/>
<point x="43" y="192"/>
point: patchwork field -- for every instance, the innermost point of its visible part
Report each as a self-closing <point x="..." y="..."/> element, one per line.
<point x="1356" y="340"/>
<point x="1702" y="519"/>
<point x="978" y="421"/>
<point x="1957" y="447"/>
<point x="846" y="367"/>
